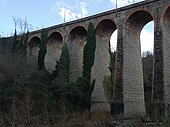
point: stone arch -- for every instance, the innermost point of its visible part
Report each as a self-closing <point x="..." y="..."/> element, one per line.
<point x="32" y="51"/>
<point x="166" y="47"/>
<point x="76" y="41"/>
<point x="54" y="47"/>
<point x="134" y="104"/>
<point x="104" y="30"/>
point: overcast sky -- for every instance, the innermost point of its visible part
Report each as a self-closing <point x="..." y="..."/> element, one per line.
<point x="44" y="13"/>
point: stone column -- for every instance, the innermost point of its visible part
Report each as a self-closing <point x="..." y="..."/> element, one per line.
<point x="118" y="105"/>
<point x="134" y="103"/>
<point x="166" y="55"/>
<point x="158" y="96"/>
<point x="76" y="58"/>
<point x="100" y="69"/>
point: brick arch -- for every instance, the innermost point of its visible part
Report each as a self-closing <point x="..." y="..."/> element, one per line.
<point x="105" y="27"/>
<point x="166" y="46"/>
<point x="54" y="47"/>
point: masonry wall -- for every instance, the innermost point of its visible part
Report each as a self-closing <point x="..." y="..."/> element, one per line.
<point x="128" y="59"/>
<point x="99" y="70"/>
<point x="76" y="58"/>
<point x="53" y="54"/>
<point x="166" y="47"/>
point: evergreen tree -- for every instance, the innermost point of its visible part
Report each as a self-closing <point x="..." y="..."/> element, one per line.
<point x="88" y="61"/>
<point x="64" y="63"/>
<point x="89" y="52"/>
<point x="42" y="49"/>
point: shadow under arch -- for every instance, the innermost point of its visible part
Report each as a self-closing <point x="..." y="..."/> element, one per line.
<point x="32" y="51"/>
<point x="100" y="70"/>
<point x="54" y="47"/>
<point x="166" y="53"/>
<point x="133" y="88"/>
<point x="76" y="41"/>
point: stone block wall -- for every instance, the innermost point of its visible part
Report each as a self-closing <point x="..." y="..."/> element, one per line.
<point x="53" y="54"/>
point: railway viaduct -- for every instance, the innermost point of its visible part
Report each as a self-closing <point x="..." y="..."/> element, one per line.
<point x="129" y="21"/>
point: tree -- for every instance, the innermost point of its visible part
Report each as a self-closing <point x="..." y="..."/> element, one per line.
<point x="23" y="26"/>
<point x="42" y="49"/>
<point x="89" y="52"/>
<point x="64" y="63"/>
<point x="78" y="94"/>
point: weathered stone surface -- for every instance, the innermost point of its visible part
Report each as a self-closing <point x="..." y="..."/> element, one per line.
<point x="166" y="43"/>
<point x="100" y="69"/>
<point x="53" y="55"/>
<point x="129" y="73"/>
<point x="76" y="59"/>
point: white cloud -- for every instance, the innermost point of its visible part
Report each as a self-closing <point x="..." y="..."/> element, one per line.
<point x="121" y="3"/>
<point x="71" y="11"/>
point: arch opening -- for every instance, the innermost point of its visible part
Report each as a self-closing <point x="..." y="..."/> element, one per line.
<point x="166" y="53"/>
<point x="100" y="70"/>
<point x="79" y="33"/>
<point x="34" y="46"/>
<point x="32" y="51"/>
<point x="34" y="42"/>
<point x="55" y="37"/>
<point x="54" y="47"/>
<point x="76" y="42"/>
<point x="133" y="69"/>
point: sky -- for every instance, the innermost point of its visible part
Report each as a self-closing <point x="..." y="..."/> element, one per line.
<point x="45" y="13"/>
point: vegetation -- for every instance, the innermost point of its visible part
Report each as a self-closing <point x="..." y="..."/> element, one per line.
<point x="108" y="82"/>
<point x="42" y="49"/>
<point x="78" y="94"/>
<point x="147" y="61"/>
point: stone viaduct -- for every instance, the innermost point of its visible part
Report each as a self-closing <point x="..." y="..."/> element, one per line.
<point x="129" y="21"/>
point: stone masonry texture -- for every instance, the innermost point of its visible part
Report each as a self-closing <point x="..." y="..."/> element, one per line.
<point x="129" y="21"/>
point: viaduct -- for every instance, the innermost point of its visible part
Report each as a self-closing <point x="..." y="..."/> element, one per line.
<point x="129" y="21"/>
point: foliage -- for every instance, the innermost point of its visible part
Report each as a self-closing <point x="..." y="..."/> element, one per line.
<point x="112" y="63"/>
<point x="24" y="41"/>
<point x="64" y="63"/>
<point x="78" y="94"/>
<point x="164" y="123"/>
<point x="89" y="52"/>
<point x="108" y="81"/>
<point x="42" y="49"/>
<point x="147" y="62"/>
